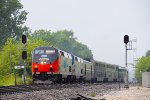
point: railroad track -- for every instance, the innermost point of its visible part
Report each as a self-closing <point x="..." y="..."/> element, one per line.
<point x="29" y="88"/>
<point x="57" y="91"/>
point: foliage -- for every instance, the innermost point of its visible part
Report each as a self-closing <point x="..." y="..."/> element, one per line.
<point x="64" y="40"/>
<point x="148" y="53"/>
<point x="10" y="80"/>
<point x="12" y="18"/>
<point x="7" y="80"/>
<point x="8" y="56"/>
<point x="11" y="55"/>
<point x="142" y="65"/>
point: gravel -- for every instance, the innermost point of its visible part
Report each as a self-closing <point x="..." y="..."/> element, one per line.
<point x="133" y="93"/>
<point x="88" y="90"/>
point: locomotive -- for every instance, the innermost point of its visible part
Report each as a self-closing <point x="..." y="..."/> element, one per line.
<point x="52" y="64"/>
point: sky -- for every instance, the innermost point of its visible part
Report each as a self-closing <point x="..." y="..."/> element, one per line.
<point x="99" y="24"/>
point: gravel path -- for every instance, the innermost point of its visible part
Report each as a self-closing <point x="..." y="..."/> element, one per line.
<point x="62" y="94"/>
<point x="133" y="93"/>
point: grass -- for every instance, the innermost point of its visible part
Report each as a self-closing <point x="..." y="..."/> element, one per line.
<point x="10" y="80"/>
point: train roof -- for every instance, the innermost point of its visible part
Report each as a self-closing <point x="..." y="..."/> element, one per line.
<point x="103" y="62"/>
<point x="114" y="65"/>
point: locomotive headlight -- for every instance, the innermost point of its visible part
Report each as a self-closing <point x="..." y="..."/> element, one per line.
<point x="35" y="66"/>
<point x="51" y="66"/>
<point x="43" y="62"/>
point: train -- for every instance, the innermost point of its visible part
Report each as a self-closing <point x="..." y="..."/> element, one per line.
<point x="52" y="64"/>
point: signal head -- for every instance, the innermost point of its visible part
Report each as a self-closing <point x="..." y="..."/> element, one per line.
<point x="126" y="39"/>
<point x="24" y="39"/>
<point x="24" y="55"/>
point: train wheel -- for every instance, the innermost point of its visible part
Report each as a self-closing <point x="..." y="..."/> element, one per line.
<point x="59" y="78"/>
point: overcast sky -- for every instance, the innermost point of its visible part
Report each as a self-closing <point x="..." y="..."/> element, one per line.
<point x="100" y="24"/>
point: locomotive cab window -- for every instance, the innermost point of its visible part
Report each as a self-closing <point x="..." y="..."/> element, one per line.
<point x="39" y="52"/>
<point x="50" y="51"/>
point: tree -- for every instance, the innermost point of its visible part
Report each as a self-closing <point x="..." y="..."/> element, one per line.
<point x="142" y="65"/>
<point x="148" y="53"/>
<point x="65" y="41"/>
<point x="43" y="35"/>
<point x="12" y="18"/>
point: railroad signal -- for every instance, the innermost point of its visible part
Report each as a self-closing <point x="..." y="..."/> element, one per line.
<point x="24" y="55"/>
<point x="24" y="39"/>
<point x="126" y="39"/>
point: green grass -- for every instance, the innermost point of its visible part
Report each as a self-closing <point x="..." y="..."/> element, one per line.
<point x="10" y="80"/>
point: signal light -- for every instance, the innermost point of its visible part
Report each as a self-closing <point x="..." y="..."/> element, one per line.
<point x="126" y="39"/>
<point x="24" y="39"/>
<point x="24" y="55"/>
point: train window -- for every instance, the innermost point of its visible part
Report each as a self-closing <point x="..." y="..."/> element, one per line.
<point x="103" y="65"/>
<point x="67" y="55"/>
<point x="96" y="64"/>
<point x="76" y="59"/>
<point x="105" y="74"/>
<point x="69" y="68"/>
<point x="39" y="51"/>
<point x="91" y="71"/>
<point x="85" y="69"/>
<point x="62" y="53"/>
<point x="81" y="71"/>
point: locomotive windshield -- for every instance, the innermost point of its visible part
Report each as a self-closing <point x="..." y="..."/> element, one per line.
<point x="45" y="53"/>
<point x="39" y="51"/>
<point x="50" y="51"/>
